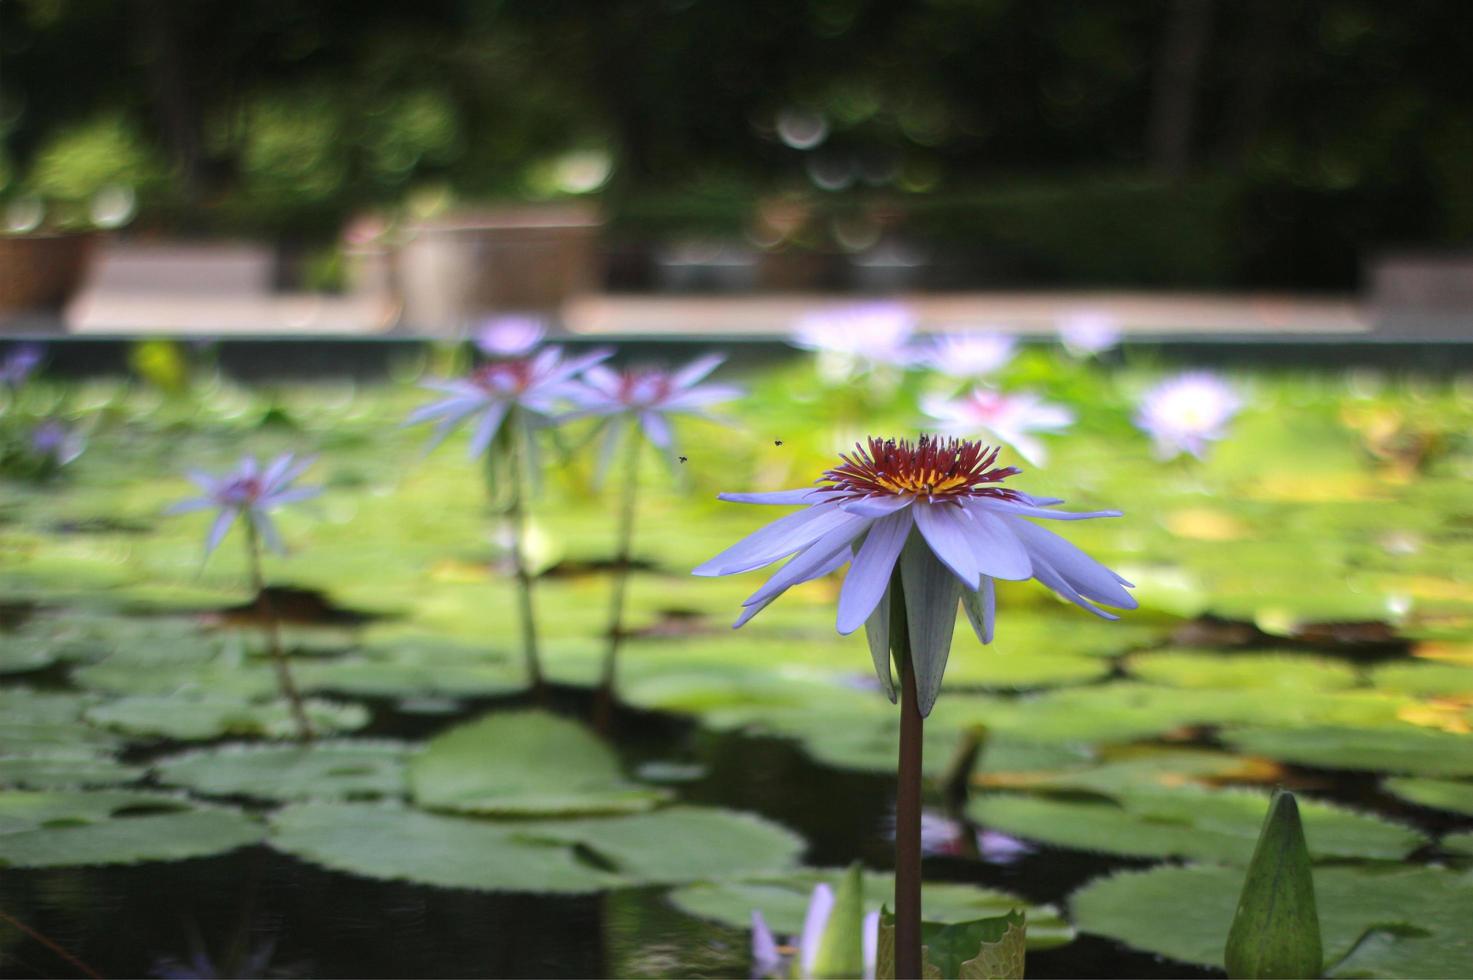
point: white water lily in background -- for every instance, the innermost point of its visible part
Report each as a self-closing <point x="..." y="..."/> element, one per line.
<point x="771" y="960"/>
<point x="536" y="385"/>
<point x="855" y="338"/>
<point x="938" y="509"/>
<point x="975" y="354"/>
<point x="249" y="492"/>
<point x="19" y="363"/>
<point x="510" y="335"/>
<point x="648" y="397"/>
<point x="1085" y="333"/>
<point x="1007" y="418"/>
<point x="1186" y="413"/>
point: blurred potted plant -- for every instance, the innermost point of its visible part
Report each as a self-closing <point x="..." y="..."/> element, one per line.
<point x="86" y="178"/>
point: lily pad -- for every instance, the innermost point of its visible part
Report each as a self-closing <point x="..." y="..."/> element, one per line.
<point x="411" y="674"/>
<point x="65" y="771"/>
<point x="1221" y="669"/>
<point x="523" y="763"/>
<point x="56" y="829"/>
<point x="783" y="900"/>
<point x="1187" y="822"/>
<point x="1405" y="749"/>
<point x="681" y="843"/>
<point x="1439" y="794"/>
<point x="1383" y="922"/>
<point x="37" y="723"/>
<point x="203" y="717"/>
<point x="319" y="771"/>
<point x="1427" y="679"/>
<point x="402" y="844"/>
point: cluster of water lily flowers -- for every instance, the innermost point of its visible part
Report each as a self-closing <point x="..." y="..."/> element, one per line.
<point x="547" y="386"/>
<point x="1181" y="415"/>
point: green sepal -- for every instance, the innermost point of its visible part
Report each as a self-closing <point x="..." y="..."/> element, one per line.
<point x="1276" y="928"/>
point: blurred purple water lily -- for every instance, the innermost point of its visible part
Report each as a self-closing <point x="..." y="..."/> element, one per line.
<point x="771" y="959"/>
<point x="56" y="444"/>
<point x="510" y="336"/>
<point x="938" y="509"/>
<point x="857" y="337"/>
<point x="535" y="385"/>
<point x="649" y="396"/>
<point x="20" y="363"/>
<point x="1008" y="418"/>
<point x="1085" y="333"/>
<point x="974" y="354"/>
<point x="251" y="492"/>
<point x="1186" y="413"/>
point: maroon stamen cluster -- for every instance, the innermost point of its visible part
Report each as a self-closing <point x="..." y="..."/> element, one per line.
<point x="503" y="376"/>
<point x="930" y="467"/>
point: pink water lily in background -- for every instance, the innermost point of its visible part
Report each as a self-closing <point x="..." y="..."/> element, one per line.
<point x="250" y="492"/>
<point x="535" y="385"/>
<point x="512" y="335"/>
<point x="974" y="354"/>
<point x="1010" y="419"/>
<point x="1188" y="412"/>
<point x="937" y="509"/>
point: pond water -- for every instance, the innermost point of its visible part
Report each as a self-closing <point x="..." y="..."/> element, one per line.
<point x="1306" y="620"/>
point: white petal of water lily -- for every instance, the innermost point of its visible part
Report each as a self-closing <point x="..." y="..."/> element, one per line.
<point x="832" y="565"/>
<point x="775" y="541"/>
<point x="277" y="469"/>
<point x="869" y="576"/>
<point x="696" y="370"/>
<point x="267" y="529"/>
<point x="996" y="548"/>
<point x="219" y="528"/>
<point x="820" y="907"/>
<point x="292" y="496"/>
<point x="806" y="495"/>
<point x="656" y="428"/>
<point x="766" y="961"/>
<point x="190" y="506"/>
<point x="981" y="609"/>
<point x="813" y="560"/>
<point x="943" y="527"/>
<point x="701" y="397"/>
<point x="877" y="634"/>
<point x="205" y="481"/>
<point x="602" y="379"/>
<point x="876" y="506"/>
<point x="1046" y="574"/>
<point x="931" y="594"/>
<point x="1040" y="508"/>
<point x="486" y="429"/>
<point x="1085" y="575"/>
<point x="870" y="937"/>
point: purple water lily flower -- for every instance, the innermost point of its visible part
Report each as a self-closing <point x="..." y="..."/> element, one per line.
<point x="1185" y="413"/>
<point x="649" y="396"/>
<point x="1085" y="333"/>
<point x="251" y="492"/>
<point x="19" y="364"/>
<point x="769" y="959"/>
<point x="510" y="336"/>
<point x="536" y="384"/>
<point x="1009" y="418"/>
<point x="938" y="509"/>
<point x="974" y="354"/>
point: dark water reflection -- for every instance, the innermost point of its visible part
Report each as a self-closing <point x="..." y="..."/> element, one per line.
<point x="219" y="916"/>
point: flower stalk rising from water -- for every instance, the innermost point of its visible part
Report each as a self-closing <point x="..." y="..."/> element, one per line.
<point x="248" y="494"/>
<point x="634" y="403"/>
<point x="508" y="400"/>
<point x="923" y="524"/>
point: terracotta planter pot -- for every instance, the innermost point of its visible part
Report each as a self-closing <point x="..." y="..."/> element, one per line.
<point x="459" y="268"/>
<point x="40" y="272"/>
